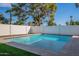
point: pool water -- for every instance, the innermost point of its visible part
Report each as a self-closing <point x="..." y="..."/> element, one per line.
<point x="51" y="42"/>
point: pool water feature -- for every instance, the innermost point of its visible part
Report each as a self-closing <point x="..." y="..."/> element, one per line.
<point x="50" y="42"/>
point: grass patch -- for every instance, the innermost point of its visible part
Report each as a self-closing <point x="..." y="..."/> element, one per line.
<point x="6" y="50"/>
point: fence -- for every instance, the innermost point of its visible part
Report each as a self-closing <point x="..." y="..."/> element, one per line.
<point x="64" y="30"/>
<point x="13" y="29"/>
<point x="18" y="29"/>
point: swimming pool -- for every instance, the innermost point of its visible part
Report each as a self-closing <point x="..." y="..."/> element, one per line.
<point x="50" y="42"/>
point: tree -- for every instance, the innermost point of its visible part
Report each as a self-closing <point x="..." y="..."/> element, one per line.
<point x="51" y="21"/>
<point x="19" y="22"/>
<point x="3" y="20"/>
<point x="72" y="22"/>
<point x="37" y="11"/>
<point x="31" y="24"/>
<point x="10" y="12"/>
<point x="77" y="5"/>
<point x="40" y="11"/>
<point x="17" y="10"/>
<point x="76" y="22"/>
<point x="67" y="23"/>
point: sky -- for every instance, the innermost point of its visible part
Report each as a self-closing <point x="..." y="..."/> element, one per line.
<point x="3" y="8"/>
<point x="64" y="10"/>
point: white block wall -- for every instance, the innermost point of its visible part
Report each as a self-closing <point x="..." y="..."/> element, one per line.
<point x="18" y="29"/>
<point x="64" y="30"/>
<point x="4" y="29"/>
<point x="15" y="29"/>
<point x="44" y="29"/>
<point x="70" y="30"/>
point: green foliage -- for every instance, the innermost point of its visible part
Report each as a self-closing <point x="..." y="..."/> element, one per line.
<point x="77" y="5"/>
<point x="38" y="11"/>
<point x="72" y="22"/>
<point x="10" y="12"/>
<point x="67" y="23"/>
<point x="20" y="22"/>
<point x="31" y="24"/>
<point x="51" y="21"/>
<point x="3" y="20"/>
<point x="76" y="22"/>
<point x="16" y="10"/>
<point x="6" y="50"/>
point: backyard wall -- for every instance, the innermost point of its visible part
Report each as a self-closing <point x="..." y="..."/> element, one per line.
<point x="4" y="30"/>
<point x="18" y="29"/>
<point x="45" y="29"/>
<point x="15" y="29"/>
<point x="66" y="30"/>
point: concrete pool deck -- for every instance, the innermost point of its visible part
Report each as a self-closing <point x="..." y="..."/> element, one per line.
<point x="35" y="50"/>
<point x="3" y="39"/>
<point x="70" y="49"/>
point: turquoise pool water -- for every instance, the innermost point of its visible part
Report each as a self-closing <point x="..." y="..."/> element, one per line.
<point x="46" y="41"/>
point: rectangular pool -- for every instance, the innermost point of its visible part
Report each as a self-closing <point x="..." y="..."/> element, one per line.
<point x="54" y="43"/>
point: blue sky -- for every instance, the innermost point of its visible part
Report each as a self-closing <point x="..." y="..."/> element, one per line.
<point x="64" y="10"/>
<point x="3" y="8"/>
